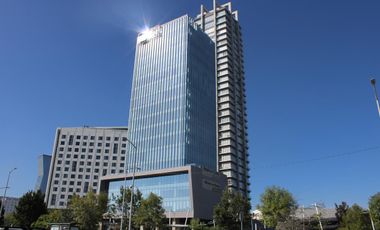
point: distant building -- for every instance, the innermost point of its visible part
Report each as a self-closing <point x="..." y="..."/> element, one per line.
<point x="326" y="213"/>
<point x="257" y="215"/>
<point x="10" y="204"/>
<point x="309" y="217"/>
<point x="80" y="157"/>
<point x="43" y="172"/>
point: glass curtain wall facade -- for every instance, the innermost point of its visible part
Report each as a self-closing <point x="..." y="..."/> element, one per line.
<point x="173" y="189"/>
<point x="172" y="118"/>
<point x="222" y="26"/>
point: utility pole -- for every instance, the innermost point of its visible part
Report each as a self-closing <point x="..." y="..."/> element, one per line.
<point x="5" y="191"/>
<point x="373" y="83"/>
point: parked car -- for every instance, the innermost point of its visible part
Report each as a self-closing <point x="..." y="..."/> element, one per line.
<point x="63" y="226"/>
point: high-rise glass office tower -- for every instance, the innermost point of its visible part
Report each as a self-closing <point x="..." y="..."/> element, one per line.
<point x="222" y="26"/>
<point x="172" y="118"/>
<point x="172" y="122"/>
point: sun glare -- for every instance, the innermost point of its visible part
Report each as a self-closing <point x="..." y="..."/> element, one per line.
<point x="146" y="34"/>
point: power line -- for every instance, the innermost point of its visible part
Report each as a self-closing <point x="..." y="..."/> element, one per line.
<point x="290" y="163"/>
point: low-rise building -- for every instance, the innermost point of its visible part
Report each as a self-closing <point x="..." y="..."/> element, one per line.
<point x="187" y="191"/>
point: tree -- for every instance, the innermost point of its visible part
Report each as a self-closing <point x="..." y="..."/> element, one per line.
<point x="117" y="202"/>
<point x="150" y="214"/>
<point x="341" y="211"/>
<point x="291" y="223"/>
<point x="30" y="207"/>
<point x="10" y="220"/>
<point x="88" y="210"/>
<point x="277" y="205"/>
<point x="229" y="211"/>
<point x="355" y="219"/>
<point x="54" y="216"/>
<point x="374" y="208"/>
<point x="195" y="224"/>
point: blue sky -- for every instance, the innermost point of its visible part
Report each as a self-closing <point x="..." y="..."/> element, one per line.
<point x="308" y="64"/>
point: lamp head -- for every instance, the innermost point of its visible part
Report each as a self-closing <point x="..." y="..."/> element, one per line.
<point x="373" y="81"/>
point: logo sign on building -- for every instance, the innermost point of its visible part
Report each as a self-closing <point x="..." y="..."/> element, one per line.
<point x="149" y="34"/>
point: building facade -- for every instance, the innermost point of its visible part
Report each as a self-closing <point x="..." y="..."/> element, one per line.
<point x="173" y="103"/>
<point x="43" y="172"/>
<point x="187" y="191"/>
<point x="222" y="26"/>
<point x="80" y="157"/>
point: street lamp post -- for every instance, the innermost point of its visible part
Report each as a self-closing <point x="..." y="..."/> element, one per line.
<point x="131" y="202"/>
<point x="5" y="191"/>
<point x="123" y="202"/>
<point x="132" y="187"/>
<point x="370" y="218"/>
<point x="241" y="219"/>
<point x="373" y="83"/>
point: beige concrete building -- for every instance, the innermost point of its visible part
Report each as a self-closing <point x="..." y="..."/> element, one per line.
<point x="81" y="155"/>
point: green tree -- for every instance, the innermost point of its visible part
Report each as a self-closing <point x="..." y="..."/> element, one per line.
<point x="88" y="210"/>
<point x="291" y="223"/>
<point x="229" y="211"/>
<point x="277" y="205"/>
<point x="341" y="211"/>
<point x="117" y="202"/>
<point x="355" y="219"/>
<point x="195" y="224"/>
<point x="10" y="220"/>
<point x="150" y="214"/>
<point x="374" y="208"/>
<point x="54" y="216"/>
<point x="30" y="207"/>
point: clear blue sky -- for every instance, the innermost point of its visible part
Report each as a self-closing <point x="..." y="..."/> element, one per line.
<point x="69" y="63"/>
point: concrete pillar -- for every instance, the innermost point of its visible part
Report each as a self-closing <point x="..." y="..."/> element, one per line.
<point x="173" y="223"/>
